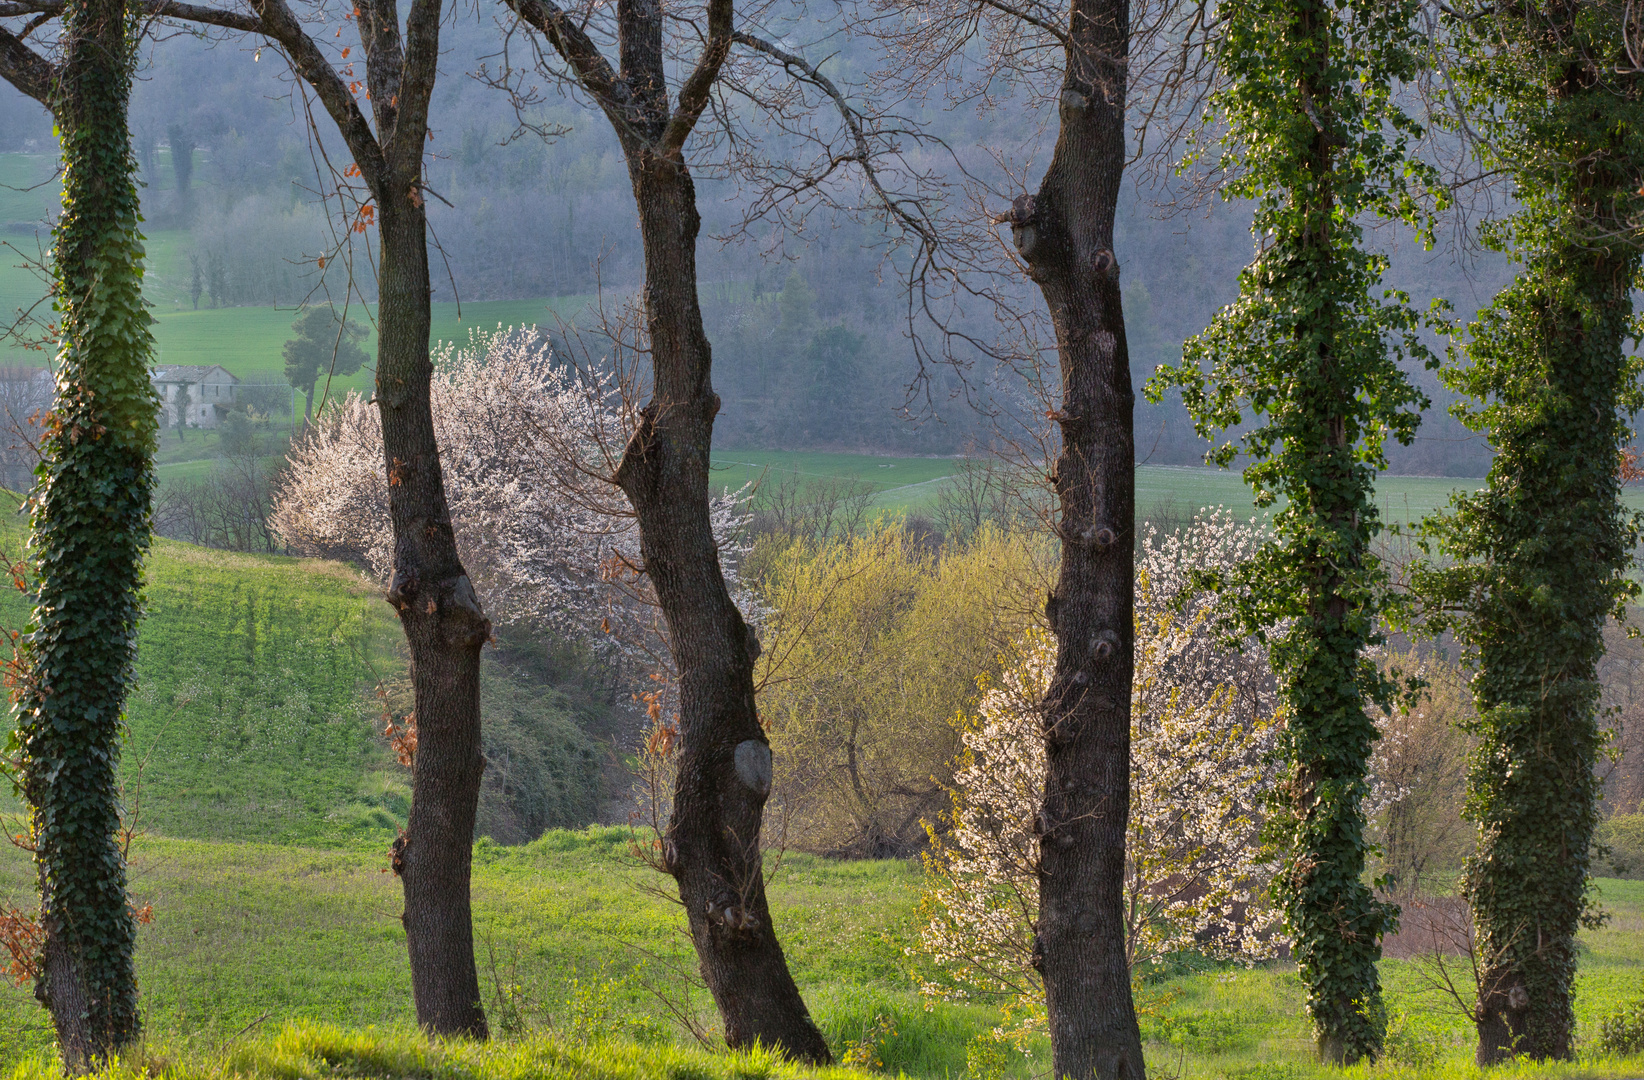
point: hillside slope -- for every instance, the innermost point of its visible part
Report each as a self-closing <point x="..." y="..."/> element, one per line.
<point x="256" y="715"/>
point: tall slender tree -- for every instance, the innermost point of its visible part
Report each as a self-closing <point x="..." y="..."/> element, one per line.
<point x="1082" y="57"/>
<point x="1555" y="94"/>
<point x="712" y="844"/>
<point x="1311" y="132"/>
<point x="90" y="528"/>
<point x="439" y="610"/>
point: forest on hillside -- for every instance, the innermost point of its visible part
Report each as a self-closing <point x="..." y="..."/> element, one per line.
<point x="810" y="332"/>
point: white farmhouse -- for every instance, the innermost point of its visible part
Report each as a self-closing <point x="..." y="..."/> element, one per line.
<point x="194" y="394"/>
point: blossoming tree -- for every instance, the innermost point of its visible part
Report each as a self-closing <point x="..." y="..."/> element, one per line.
<point x="1196" y="873"/>
<point x="524" y="440"/>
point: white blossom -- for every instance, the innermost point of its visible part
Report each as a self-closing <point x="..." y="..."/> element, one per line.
<point x="1202" y="732"/>
<point x="527" y="447"/>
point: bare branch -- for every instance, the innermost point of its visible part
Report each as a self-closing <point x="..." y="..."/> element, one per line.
<point x="26" y="69"/>
<point x="693" y="94"/>
<point x="279" y="24"/>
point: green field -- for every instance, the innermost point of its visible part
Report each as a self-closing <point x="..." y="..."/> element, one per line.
<point x="245" y="340"/>
<point x="246" y="935"/>
<point x="913" y="485"/>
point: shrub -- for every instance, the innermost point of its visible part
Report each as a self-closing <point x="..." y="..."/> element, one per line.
<point x="1622" y="1031"/>
<point x="1412" y="1043"/>
<point x="871" y="644"/>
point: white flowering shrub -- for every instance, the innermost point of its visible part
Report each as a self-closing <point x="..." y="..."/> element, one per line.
<point x="1202" y="726"/>
<point x="525" y="449"/>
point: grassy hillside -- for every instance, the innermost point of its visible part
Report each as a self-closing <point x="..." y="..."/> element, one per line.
<point x="252" y="936"/>
<point x="253" y="712"/>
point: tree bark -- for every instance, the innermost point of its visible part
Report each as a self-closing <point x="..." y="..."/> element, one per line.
<point x="712" y="846"/>
<point x="724" y="770"/>
<point x="445" y="629"/>
<point x="90" y="529"/>
<point x="445" y="626"/>
<point x="1065" y="234"/>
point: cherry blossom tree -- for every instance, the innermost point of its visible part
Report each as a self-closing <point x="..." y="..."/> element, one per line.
<point x="524" y="439"/>
<point x="1202" y="729"/>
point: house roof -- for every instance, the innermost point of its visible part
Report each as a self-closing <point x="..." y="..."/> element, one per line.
<point x="189" y="373"/>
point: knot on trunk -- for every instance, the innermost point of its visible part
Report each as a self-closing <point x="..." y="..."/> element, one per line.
<point x="453" y="602"/>
<point x="396" y="853"/>
<point x="1104" y="644"/>
<point x="1024" y="232"/>
<point x="1106" y="265"/>
<point x="402" y="587"/>
<point x="726" y="910"/>
<point x="636" y="467"/>
<point x="1096" y="536"/>
<point x="753" y="766"/>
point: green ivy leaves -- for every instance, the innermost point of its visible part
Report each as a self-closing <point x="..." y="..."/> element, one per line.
<point x="1309" y="354"/>
<point x="1534" y="563"/>
<point x="90" y="528"/>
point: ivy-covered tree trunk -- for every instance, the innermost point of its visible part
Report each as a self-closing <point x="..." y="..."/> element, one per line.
<point x="1315" y="140"/>
<point x="1064" y="233"/>
<point x="1543" y="548"/>
<point x="1556" y="543"/>
<point x="1336" y="923"/>
<point x="90" y="530"/>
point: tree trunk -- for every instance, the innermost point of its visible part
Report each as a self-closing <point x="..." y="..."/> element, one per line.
<point x="1065" y="234"/>
<point x="90" y="530"/>
<point x="445" y="629"/>
<point x="712" y="844"/>
<point x="1557" y="532"/>
<point x="1551" y="538"/>
<point x="1328" y="904"/>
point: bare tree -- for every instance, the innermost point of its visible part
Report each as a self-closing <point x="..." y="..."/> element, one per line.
<point x="438" y="607"/>
<point x="1063" y="235"/>
<point x="712" y="843"/>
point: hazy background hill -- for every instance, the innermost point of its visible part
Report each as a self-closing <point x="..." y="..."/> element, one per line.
<point x="811" y="350"/>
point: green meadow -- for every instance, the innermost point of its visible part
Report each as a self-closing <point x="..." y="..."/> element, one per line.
<point x="913" y="485"/>
<point x="576" y="946"/>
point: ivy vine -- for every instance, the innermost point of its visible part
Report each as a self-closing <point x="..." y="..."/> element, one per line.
<point x="1535" y="562"/>
<point x="1311" y="133"/>
<point x="90" y="529"/>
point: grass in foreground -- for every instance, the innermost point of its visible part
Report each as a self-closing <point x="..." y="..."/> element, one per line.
<point x="574" y="945"/>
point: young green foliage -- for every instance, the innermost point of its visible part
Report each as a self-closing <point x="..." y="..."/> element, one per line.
<point x="1313" y="136"/>
<point x="1538" y="556"/>
<point x="90" y="531"/>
